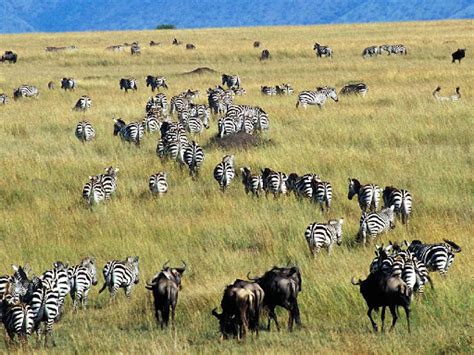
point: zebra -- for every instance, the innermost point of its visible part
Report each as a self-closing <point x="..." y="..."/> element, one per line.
<point x="218" y="99"/>
<point x="84" y="131"/>
<point x="452" y="98"/>
<point x="193" y="123"/>
<point x="25" y="91"/>
<point x="108" y="181"/>
<point x="317" y="97"/>
<point x="179" y="102"/>
<point x="284" y="89"/>
<point x="239" y="91"/>
<point x="268" y="90"/>
<point x="93" y="191"/>
<point x="132" y="132"/>
<point x="18" y="319"/>
<point x="260" y="120"/>
<point x="322" y="50"/>
<point x="227" y="126"/>
<point x="394" y="49"/>
<point x="252" y="182"/>
<point x="159" y="102"/>
<point x="59" y="278"/>
<point x="68" y="84"/>
<point x="81" y="278"/>
<point x="358" y="88"/>
<point x="367" y="195"/>
<point x="232" y="81"/>
<point x="224" y="172"/>
<point x="17" y="284"/>
<point x="121" y="274"/>
<point x="156" y="82"/>
<point x="3" y="98"/>
<point x="173" y="141"/>
<point x="51" y="85"/>
<point x="376" y="223"/>
<point x="399" y="198"/>
<point x="371" y="51"/>
<point x="274" y="182"/>
<point x="151" y="124"/>
<point x="322" y="193"/>
<point x="128" y="84"/>
<point x="324" y="235"/>
<point x="193" y="157"/>
<point x="83" y="104"/>
<point x="135" y="49"/>
<point x="158" y="183"/>
<point x="437" y="257"/>
<point x="302" y="186"/>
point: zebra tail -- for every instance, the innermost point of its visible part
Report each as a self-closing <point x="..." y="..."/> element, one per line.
<point x="103" y="287"/>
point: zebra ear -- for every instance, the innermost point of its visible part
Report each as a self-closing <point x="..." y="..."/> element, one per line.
<point x="15" y="267"/>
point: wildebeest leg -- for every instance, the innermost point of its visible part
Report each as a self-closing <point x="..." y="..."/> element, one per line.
<point x="407" y="312"/>
<point x="394" y="316"/>
<point x="374" y="325"/>
<point x="383" y="317"/>
<point x="272" y="315"/>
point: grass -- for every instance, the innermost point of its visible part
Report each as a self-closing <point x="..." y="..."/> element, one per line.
<point x="396" y="135"/>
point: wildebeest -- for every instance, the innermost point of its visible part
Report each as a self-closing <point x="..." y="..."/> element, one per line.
<point x="51" y="85"/>
<point x="135" y="49"/>
<point x="281" y="286"/>
<point x="156" y="82"/>
<point x="381" y="290"/>
<point x="190" y="46"/>
<point x="165" y="286"/>
<point x="265" y="54"/>
<point x="9" y="56"/>
<point x="68" y="84"/>
<point x="128" y="84"/>
<point x="176" y="42"/>
<point x="458" y="55"/>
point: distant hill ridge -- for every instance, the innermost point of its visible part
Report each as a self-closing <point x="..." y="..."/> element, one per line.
<point x="18" y="16"/>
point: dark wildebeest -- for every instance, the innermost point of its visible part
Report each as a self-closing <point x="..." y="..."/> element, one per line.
<point x="153" y="43"/>
<point x="190" y="46"/>
<point x="51" y="85"/>
<point x="68" y="84"/>
<point x="176" y="42"/>
<point x="382" y="290"/>
<point x="458" y="55"/>
<point x="165" y="286"/>
<point x="9" y="56"/>
<point x="256" y="44"/>
<point x="281" y="287"/>
<point x="265" y="54"/>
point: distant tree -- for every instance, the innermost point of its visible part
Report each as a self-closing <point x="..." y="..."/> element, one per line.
<point x="165" y="27"/>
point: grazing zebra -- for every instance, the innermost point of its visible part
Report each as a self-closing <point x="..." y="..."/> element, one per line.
<point x="322" y="193"/>
<point x="3" y="99"/>
<point x="151" y="124"/>
<point x="265" y="55"/>
<point x="84" y="131"/>
<point x="399" y="198"/>
<point x="371" y="51"/>
<point x="319" y="235"/>
<point x="436" y="257"/>
<point x="193" y="157"/>
<point x="284" y="89"/>
<point x="317" y="97"/>
<point x="252" y="182"/>
<point x="121" y="274"/>
<point x="158" y="183"/>
<point x="93" y="191"/>
<point x="9" y="57"/>
<point x="302" y="186"/>
<point x="18" y="319"/>
<point x="25" y="91"/>
<point x="128" y="84"/>
<point x="135" y="49"/>
<point x="82" y="277"/>
<point x="201" y="111"/>
<point x="58" y="278"/>
<point x="359" y="88"/>
<point x="224" y="172"/>
<point x="375" y="223"/>
<point x="367" y="195"/>
<point x="452" y="98"/>
<point x="173" y="141"/>
<point x="232" y="81"/>
<point x="132" y="132"/>
<point x="274" y="182"/>
<point x="393" y="49"/>
<point x="322" y="50"/>
<point x="68" y="84"/>
<point x="268" y="90"/>
<point x="51" y="85"/>
<point x="83" y="104"/>
<point x="156" y="82"/>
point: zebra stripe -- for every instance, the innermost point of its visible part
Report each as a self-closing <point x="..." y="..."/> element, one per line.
<point x="158" y="183"/>
<point x="367" y="195"/>
<point x="173" y="141"/>
<point x="151" y="124"/>
<point x="227" y="126"/>
<point x="18" y="320"/>
<point x="400" y="199"/>
<point x="268" y="90"/>
<point x="135" y="49"/>
<point x="436" y="257"/>
<point x="84" y="131"/>
<point x="274" y="182"/>
<point x="132" y="132"/>
<point x="319" y="235"/>
<point x="93" y="191"/>
<point x="359" y="88"/>
<point x="58" y="278"/>
<point x="159" y="102"/>
<point x="318" y="97"/>
<point x="371" y="51"/>
<point x="252" y="183"/>
<point x="82" y="277"/>
<point x="25" y="91"/>
<point x="83" y="104"/>
<point x="121" y="274"/>
<point x="322" y="193"/>
<point x="193" y="158"/>
<point x="128" y="84"/>
<point x="302" y="186"/>
<point x="376" y="223"/>
<point x="224" y="172"/>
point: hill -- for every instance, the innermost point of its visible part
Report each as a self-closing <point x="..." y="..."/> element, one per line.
<point x="82" y="15"/>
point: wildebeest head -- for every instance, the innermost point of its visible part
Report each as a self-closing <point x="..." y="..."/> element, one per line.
<point x="118" y="125"/>
<point x="354" y="186"/>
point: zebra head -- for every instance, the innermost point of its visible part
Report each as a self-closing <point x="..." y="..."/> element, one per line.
<point x="118" y="125"/>
<point x="90" y="264"/>
<point x="354" y="186"/>
<point x="149" y="80"/>
<point x="111" y="171"/>
<point x="316" y="46"/>
<point x="229" y="159"/>
<point x="337" y="225"/>
<point x="331" y="92"/>
<point x="133" y="262"/>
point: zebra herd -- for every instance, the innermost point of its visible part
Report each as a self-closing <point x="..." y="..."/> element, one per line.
<point x="326" y="51"/>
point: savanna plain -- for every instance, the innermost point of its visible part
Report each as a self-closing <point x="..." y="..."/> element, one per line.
<point x="396" y="135"/>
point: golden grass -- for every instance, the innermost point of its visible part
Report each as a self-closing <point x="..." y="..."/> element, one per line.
<point x="396" y="135"/>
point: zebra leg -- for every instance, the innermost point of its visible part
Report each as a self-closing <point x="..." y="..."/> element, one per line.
<point x="85" y="298"/>
<point x="128" y="291"/>
<point x="49" y="332"/>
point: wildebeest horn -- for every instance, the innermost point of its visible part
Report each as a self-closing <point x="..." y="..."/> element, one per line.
<point x="248" y="276"/>
<point x="164" y="265"/>
<point x="354" y="281"/>
<point x="149" y="285"/>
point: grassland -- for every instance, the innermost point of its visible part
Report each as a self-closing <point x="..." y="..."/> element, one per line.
<point x="396" y="135"/>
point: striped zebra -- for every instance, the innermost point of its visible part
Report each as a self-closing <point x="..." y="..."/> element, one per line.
<point x="128" y="84"/>
<point x="274" y="182"/>
<point x="135" y="49"/>
<point x="227" y="126"/>
<point x="108" y="181"/>
<point x="158" y="183"/>
<point x="3" y="99"/>
<point x="173" y="141"/>
<point x="373" y="224"/>
<point x="156" y="82"/>
<point x="93" y="191"/>
<point x="158" y="103"/>
<point x="394" y="49"/>
<point x="358" y="88"/>
<point x="437" y="257"/>
<point x="193" y="157"/>
<point x="399" y="198"/>
<point x="452" y="98"/>
<point x="84" y="131"/>
<point x="268" y="90"/>
<point x="284" y="89"/>
<point x="25" y="91"/>
<point x="260" y="120"/>
<point x="301" y="186"/>
<point x="317" y="97"/>
<point x="68" y="84"/>
<point x="322" y="193"/>
<point x="81" y="278"/>
<point x="131" y="133"/>
<point x="367" y="195"/>
<point x="83" y="104"/>
<point x="371" y="51"/>
<point x="218" y="99"/>
<point x="121" y="274"/>
<point x="151" y="123"/>
<point x="18" y="319"/>
<point x="239" y="91"/>
<point x="252" y="182"/>
<point x="193" y="122"/>
<point x="179" y="103"/>
<point x="17" y="284"/>
<point x="322" y="50"/>
<point x="58" y="277"/>
<point x="232" y="81"/>
<point x="224" y="172"/>
<point x="324" y="235"/>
